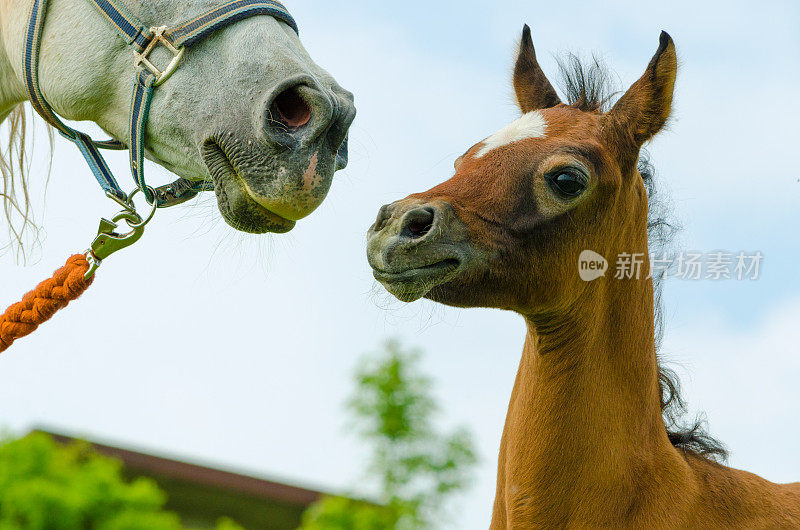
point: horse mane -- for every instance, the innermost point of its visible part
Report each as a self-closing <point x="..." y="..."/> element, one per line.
<point x="588" y="86"/>
<point x="15" y="165"/>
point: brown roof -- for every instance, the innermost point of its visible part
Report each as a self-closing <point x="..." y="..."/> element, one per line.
<point x="141" y="462"/>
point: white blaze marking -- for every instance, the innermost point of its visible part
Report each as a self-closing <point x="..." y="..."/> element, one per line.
<point x="530" y="125"/>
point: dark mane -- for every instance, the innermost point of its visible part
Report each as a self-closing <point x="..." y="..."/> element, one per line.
<point x="589" y="87"/>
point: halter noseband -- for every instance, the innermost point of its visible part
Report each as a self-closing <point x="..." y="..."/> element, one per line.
<point x="143" y="40"/>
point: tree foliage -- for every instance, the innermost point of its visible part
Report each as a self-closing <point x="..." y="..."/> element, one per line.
<point x="48" y="486"/>
<point x="416" y="468"/>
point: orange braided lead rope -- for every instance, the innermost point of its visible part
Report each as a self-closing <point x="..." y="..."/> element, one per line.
<point x="39" y="305"/>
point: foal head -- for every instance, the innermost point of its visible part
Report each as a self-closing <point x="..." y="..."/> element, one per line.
<point x="508" y="229"/>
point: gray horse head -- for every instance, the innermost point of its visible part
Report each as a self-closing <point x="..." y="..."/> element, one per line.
<point x="247" y="107"/>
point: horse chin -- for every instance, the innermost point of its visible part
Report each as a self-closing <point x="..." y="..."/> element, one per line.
<point x="409" y="285"/>
<point x="243" y="213"/>
<point x="261" y="191"/>
<point x="241" y="210"/>
<point x="236" y="203"/>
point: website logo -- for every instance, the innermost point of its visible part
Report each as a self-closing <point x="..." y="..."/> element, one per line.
<point x="591" y="266"/>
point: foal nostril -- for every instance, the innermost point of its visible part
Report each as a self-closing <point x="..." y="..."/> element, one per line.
<point x="418" y="222"/>
<point x="384" y="214"/>
<point x="290" y="109"/>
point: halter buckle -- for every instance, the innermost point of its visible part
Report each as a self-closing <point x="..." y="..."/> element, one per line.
<point x="142" y="59"/>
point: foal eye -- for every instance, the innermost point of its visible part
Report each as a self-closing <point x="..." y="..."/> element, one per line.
<point x="567" y="184"/>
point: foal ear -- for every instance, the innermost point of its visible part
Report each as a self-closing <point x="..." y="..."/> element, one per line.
<point x="645" y="107"/>
<point x="533" y="89"/>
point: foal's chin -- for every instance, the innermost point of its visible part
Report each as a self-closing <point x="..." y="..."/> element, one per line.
<point x="412" y="284"/>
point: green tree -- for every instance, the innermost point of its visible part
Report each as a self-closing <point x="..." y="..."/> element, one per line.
<point x="45" y="485"/>
<point x="417" y="469"/>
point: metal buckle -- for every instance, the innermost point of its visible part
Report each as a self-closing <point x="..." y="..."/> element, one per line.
<point x="159" y="38"/>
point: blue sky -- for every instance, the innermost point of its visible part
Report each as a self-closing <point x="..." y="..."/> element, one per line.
<point x="238" y="350"/>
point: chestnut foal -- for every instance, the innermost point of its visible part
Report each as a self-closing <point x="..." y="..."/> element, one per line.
<point x="585" y="443"/>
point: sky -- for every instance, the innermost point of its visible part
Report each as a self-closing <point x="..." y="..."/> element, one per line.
<point x="238" y="351"/>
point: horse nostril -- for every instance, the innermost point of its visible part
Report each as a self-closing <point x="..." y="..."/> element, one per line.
<point x="418" y="222"/>
<point x="290" y="109"/>
<point x="384" y="214"/>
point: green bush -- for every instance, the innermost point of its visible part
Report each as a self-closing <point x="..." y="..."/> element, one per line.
<point x="48" y="486"/>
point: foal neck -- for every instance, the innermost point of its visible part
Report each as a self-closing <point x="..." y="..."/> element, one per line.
<point x="584" y="441"/>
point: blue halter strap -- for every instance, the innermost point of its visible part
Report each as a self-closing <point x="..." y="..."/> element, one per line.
<point x="147" y="77"/>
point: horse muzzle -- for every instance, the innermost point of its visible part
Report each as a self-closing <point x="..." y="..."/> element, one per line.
<point x="415" y="246"/>
<point x="267" y="182"/>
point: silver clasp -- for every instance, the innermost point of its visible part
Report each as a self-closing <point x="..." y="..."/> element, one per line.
<point x="143" y="58"/>
<point x="109" y="241"/>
